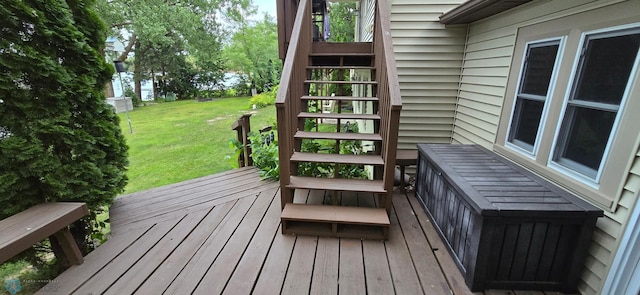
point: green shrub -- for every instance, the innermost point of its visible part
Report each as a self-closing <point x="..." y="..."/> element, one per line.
<point x="264" y="153"/>
<point x="264" y="99"/>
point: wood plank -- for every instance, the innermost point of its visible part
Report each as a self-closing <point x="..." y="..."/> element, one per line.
<point x="214" y="281"/>
<point x="275" y="268"/>
<point x="202" y="260"/>
<point x="338" y="135"/>
<point x="69" y="246"/>
<point x="426" y="264"/>
<point x="23" y="230"/>
<point x="186" y="198"/>
<point x="181" y="207"/>
<point x="340" y="82"/>
<point x="331" y="48"/>
<point x="340" y="98"/>
<point x="143" y="268"/>
<point x="448" y="266"/>
<point x="298" y="278"/>
<point x="351" y="275"/>
<point x="337" y="158"/>
<point x="76" y="275"/>
<point x="337" y="184"/>
<point x="108" y="275"/>
<point x="346" y="67"/>
<point x="405" y="278"/>
<point x="376" y="268"/>
<point x="171" y="267"/>
<point x="325" y="271"/>
<point x="341" y="116"/>
<point x="246" y="273"/>
<point x="179" y="200"/>
<point x="178" y="211"/>
<point x="327" y="213"/>
<point x="143" y="197"/>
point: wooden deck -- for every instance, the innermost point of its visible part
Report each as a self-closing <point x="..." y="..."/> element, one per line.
<point x="221" y="234"/>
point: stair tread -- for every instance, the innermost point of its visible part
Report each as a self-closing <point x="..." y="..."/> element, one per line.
<point x="368" y="54"/>
<point x="350" y="98"/>
<point x="337" y="158"/>
<point x="340" y="82"/>
<point x="337" y="184"/>
<point x="338" y="135"/>
<point x="339" y="116"/>
<point x="341" y="67"/>
<point x="335" y="214"/>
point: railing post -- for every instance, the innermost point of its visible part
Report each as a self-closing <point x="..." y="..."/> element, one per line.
<point x="242" y="128"/>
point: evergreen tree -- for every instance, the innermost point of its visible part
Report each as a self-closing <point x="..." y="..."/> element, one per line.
<point x="59" y="140"/>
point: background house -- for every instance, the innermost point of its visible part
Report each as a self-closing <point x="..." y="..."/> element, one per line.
<point x="461" y="68"/>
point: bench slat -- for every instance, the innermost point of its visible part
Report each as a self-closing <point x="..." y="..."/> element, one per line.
<point x="21" y="231"/>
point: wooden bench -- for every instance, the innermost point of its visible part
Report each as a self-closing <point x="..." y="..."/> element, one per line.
<point x="23" y="230"/>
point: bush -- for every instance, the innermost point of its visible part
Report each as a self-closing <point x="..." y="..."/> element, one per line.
<point x="264" y="153"/>
<point x="59" y="141"/>
<point x="264" y="99"/>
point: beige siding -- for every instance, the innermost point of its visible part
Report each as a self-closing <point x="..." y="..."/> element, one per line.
<point x="429" y="57"/>
<point x="482" y="89"/>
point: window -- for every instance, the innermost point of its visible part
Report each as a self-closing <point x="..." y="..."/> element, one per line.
<point x="570" y="110"/>
<point x="535" y="86"/>
<point x="600" y="85"/>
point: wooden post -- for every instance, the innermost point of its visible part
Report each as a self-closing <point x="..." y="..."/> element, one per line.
<point x="242" y="128"/>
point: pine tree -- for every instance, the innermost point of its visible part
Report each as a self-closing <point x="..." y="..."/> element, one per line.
<point x="59" y="140"/>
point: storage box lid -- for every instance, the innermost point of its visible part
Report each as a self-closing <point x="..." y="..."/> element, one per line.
<point x="494" y="186"/>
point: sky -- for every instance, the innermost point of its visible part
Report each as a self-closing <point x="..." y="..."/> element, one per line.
<point x="268" y="6"/>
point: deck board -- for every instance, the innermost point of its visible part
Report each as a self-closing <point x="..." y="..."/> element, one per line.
<point x="220" y="271"/>
<point x="221" y="234"/>
<point x="325" y="271"/>
<point x="351" y="276"/>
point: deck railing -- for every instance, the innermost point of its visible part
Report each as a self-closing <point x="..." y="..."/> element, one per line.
<point x="288" y="103"/>
<point x="390" y="102"/>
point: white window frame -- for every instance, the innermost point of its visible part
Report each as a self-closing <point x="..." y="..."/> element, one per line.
<point x="593" y="182"/>
<point x="545" y="109"/>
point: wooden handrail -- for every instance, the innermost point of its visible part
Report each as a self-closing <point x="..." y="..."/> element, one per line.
<point x="390" y="102"/>
<point x="288" y="103"/>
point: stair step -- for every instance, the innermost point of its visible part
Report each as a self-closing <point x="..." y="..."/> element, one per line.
<point x="338" y="135"/>
<point x="341" y="98"/>
<point x="335" y="221"/>
<point x="337" y="158"/>
<point x="341" y="82"/>
<point x="341" y="68"/>
<point x="314" y="54"/>
<point x="344" y="116"/>
<point x="337" y="184"/>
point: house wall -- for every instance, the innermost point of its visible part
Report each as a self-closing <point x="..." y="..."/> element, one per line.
<point x="483" y="84"/>
<point x="428" y="57"/>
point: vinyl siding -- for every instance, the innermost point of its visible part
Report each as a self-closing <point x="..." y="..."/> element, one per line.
<point x="429" y="59"/>
<point x="485" y="71"/>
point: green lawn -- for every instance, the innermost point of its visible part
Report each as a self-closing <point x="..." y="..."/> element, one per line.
<point x="177" y="141"/>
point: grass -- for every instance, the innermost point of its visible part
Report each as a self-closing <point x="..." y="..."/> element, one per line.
<point x="177" y="141"/>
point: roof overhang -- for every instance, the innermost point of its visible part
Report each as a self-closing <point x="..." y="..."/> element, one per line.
<point x="474" y="10"/>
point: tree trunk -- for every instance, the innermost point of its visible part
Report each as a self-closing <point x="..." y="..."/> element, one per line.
<point x="137" y="77"/>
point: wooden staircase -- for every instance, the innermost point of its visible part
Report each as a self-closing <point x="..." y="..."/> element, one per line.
<point x="316" y="75"/>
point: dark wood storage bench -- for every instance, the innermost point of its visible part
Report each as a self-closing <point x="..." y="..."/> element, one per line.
<point x="506" y="227"/>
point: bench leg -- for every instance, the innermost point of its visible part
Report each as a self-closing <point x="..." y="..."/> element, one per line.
<point x="69" y="246"/>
